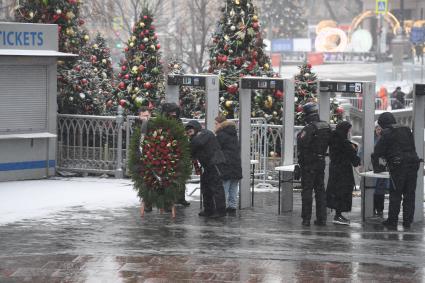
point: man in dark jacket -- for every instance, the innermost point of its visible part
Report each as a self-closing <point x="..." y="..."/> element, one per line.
<point x="231" y="171"/>
<point x="205" y="148"/>
<point x="172" y="111"/>
<point x="397" y="147"/>
<point x="312" y="145"/>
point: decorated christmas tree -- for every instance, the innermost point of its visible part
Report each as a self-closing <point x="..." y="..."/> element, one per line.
<point x="141" y="81"/>
<point x="306" y="91"/>
<point x="99" y="55"/>
<point x="64" y="13"/>
<point x="238" y="51"/>
<point x="285" y="18"/>
<point x="85" y="90"/>
<point x="192" y="99"/>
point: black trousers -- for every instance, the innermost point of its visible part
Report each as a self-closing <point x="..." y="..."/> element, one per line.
<point x="212" y="191"/>
<point x="404" y="187"/>
<point x="312" y="179"/>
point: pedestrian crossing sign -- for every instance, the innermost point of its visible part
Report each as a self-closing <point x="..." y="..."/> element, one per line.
<point x="381" y="6"/>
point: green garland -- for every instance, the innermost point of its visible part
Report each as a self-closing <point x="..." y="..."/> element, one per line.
<point x="168" y="147"/>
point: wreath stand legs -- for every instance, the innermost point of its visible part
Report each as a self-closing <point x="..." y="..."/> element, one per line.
<point x="173" y="211"/>
<point x="142" y="209"/>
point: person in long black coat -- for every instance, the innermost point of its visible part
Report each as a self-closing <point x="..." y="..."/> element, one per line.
<point x="343" y="156"/>
<point x="231" y="170"/>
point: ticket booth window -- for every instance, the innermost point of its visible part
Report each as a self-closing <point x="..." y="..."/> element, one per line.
<point x="23" y="98"/>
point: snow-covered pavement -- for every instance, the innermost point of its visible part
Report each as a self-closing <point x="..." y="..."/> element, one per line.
<point x="39" y="198"/>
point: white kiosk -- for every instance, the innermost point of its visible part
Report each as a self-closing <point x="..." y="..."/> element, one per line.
<point x="28" y="54"/>
<point x="248" y="84"/>
<point x="211" y="85"/>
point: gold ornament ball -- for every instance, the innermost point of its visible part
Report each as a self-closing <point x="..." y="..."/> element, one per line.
<point x="255" y="18"/>
<point x="145" y="39"/>
<point x="86" y="37"/>
<point x="153" y="47"/>
<point x="131" y="44"/>
<point x="142" y="24"/>
<point x="228" y="103"/>
<point x="95" y="46"/>
<point x="104" y="61"/>
<point x="133" y="38"/>
<point x="266" y="66"/>
<point x="31" y="14"/>
<point x="134" y="70"/>
<point x="58" y="11"/>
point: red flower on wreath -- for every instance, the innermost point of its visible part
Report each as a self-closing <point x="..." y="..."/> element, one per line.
<point x="161" y="154"/>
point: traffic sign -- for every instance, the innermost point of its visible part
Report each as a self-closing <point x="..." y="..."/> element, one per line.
<point x="381" y="6"/>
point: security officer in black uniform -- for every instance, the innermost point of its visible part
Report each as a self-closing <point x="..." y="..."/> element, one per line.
<point x="397" y="147"/>
<point x="312" y="145"/>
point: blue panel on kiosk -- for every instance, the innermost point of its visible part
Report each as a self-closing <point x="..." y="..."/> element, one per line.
<point x="282" y="45"/>
<point x="417" y="35"/>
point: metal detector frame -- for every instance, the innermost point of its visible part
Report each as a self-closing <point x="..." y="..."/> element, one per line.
<point x="367" y="89"/>
<point x="418" y="132"/>
<point x="247" y="84"/>
<point x="211" y="85"/>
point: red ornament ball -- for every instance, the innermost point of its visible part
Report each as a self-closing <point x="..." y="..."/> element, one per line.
<point x="340" y="110"/>
<point x="158" y="46"/>
<point x="124" y="68"/>
<point x="141" y="68"/>
<point x="126" y="76"/>
<point x="123" y="102"/>
<point x="121" y="85"/>
<point x="232" y="89"/>
<point x="299" y="108"/>
<point x="278" y="94"/>
<point x="147" y="85"/>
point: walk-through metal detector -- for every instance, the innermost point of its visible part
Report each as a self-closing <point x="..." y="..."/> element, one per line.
<point x="248" y="84"/>
<point x="211" y="85"/>
<point x="418" y="131"/>
<point x="367" y="91"/>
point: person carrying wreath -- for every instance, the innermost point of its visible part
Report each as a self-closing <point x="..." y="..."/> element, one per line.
<point x="159" y="162"/>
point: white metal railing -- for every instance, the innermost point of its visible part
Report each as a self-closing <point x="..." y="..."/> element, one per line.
<point x="99" y="144"/>
<point x="357" y="102"/>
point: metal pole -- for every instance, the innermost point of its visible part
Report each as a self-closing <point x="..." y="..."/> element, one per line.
<point x="212" y="100"/>
<point x="368" y="92"/>
<point x="119" y="120"/>
<point x="418" y="130"/>
<point x="245" y="141"/>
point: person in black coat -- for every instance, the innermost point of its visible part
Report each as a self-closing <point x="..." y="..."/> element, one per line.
<point x="205" y="148"/>
<point x="343" y="156"/>
<point x="397" y="147"/>
<point x="231" y="171"/>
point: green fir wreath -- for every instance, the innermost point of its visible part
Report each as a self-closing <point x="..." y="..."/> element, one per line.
<point x="160" y="165"/>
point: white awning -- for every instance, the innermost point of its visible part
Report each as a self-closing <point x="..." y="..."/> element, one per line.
<point x="34" y="53"/>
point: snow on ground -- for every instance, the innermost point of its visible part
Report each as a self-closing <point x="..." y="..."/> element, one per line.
<point x="38" y="198"/>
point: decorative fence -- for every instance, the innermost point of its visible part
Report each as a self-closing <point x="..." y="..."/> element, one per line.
<point x="99" y="144"/>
